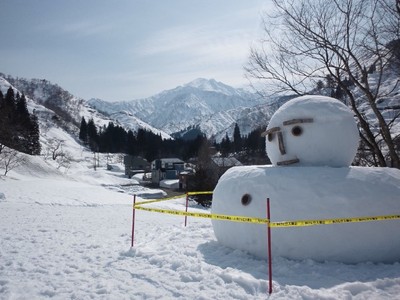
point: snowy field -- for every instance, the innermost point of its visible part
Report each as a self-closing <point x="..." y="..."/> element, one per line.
<point x="67" y="235"/>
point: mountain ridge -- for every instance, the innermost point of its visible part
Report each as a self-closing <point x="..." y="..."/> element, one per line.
<point x="197" y="103"/>
<point x="211" y="106"/>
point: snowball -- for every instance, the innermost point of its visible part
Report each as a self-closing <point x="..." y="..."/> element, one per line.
<point x="312" y="131"/>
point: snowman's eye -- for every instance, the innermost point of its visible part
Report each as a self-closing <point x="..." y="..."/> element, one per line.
<point x="297" y="130"/>
<point x="246" y="199"/>
<point x="270" y="137"/>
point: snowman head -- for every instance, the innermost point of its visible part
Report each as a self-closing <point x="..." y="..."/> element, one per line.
<point x="312" y="131"/>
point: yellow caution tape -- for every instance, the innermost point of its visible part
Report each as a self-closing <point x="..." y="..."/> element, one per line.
<point x="332" y="221"/>
<point x="282" y="224"/>
<point x="297" y="223"/>
<point x="175" y="197"/>
<point x="199" y="193"/>
<point x="160" y="200"/>
<point x="205" y="215"/>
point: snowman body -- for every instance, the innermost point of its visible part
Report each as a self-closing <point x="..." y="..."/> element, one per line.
<point x="311" y="141"/>
<point x="310" y="193"/>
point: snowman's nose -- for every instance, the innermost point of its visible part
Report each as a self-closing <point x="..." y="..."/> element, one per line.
<point x="281" y="143"/>
<point x="271" y="133"/>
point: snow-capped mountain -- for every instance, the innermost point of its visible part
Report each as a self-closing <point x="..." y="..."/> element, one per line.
<point x="50" y="99"/>
<point x="208" y="104"/>
<point x="43" y="94"/>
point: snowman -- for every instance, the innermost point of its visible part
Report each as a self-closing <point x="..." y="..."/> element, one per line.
<point x="311" y="142"/>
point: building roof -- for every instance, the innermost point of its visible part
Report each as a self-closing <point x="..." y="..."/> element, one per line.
<point x="226" y="161"/>
<point x="170" y="160"/>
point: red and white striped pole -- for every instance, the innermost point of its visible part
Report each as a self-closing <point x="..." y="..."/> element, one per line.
<point x="133" y="220"/>
<point x="187" y="204"/>
<point x="269" y="248"/>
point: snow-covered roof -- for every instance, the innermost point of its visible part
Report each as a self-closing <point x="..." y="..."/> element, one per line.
<point x="169" y="160"/>
<point x="226" y="161"/>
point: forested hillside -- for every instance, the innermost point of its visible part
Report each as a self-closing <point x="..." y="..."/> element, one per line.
<point x="19" y="129"/>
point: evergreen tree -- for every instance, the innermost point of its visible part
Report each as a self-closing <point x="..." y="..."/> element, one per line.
<point x="22" y="108"/>
<point x="141" y="140"/>
<point x="10" y="98"/>
<point x="205" y="178"/>
<point x="34" y="136"/>
<point x="255" y="148"/>
<point x="194" y="146"/>
<point x="131" y="147"/>
<point x="7" y="132"/>
<point x="113" y="139"/>
<point x="2" y="109"/>
<point x="226" y="145"/>
<point x="237" y="139"/>
<point x="119" y="139"/>
<point x="255" y="142"/>
<point x="3" y="126"/>
<point x="9" y="106"/>
<point x="106" y="139"/>
<point x="19" y="130"/>
<point x="20" y="127"/>
<point x="83" y="131"/>
<point x="93" y="137"/>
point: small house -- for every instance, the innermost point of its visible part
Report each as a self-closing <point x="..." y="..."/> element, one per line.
<point x="135" y="164"/>
<point x="166" y="168"/>
<point x="184" y="178"/>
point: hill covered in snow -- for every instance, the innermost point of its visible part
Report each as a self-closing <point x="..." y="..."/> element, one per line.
<point x="53" y="103"/>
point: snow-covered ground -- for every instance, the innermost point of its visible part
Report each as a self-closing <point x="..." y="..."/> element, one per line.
<point x="68" y="236"/>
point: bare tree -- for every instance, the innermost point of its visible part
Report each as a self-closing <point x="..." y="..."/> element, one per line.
<point x="346" y="40"/>
<point x="56" y="148"/>
<point x="58" y="154"/>
<point x="64" y="161"/>
<point x="10" y="159"/>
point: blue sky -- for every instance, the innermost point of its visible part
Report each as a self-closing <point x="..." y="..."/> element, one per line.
<point x="128" y="49"/>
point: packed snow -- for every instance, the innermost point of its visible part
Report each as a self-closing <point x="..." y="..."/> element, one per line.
<point x="68" y="235"/>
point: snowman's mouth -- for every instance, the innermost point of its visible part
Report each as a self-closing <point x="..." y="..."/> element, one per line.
<point x="288" y="162"/>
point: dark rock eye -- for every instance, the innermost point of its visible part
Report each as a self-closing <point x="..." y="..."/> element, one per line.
<point x="297" y="130"/>
<point x="270" y="137"/>
<point x="246" y="199"/>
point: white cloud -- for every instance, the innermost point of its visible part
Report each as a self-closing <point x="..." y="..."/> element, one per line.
<point x="87" y="28"/>
<point x="197" y="47"/>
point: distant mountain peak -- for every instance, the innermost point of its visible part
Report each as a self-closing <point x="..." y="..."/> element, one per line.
<point x="211" y="85"/>
<point x="201" y="82"/>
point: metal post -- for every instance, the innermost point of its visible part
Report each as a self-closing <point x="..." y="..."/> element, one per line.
<point x="133" y="220"/>
<point x="269" y="247"/>
<point x="187" y="204"/>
